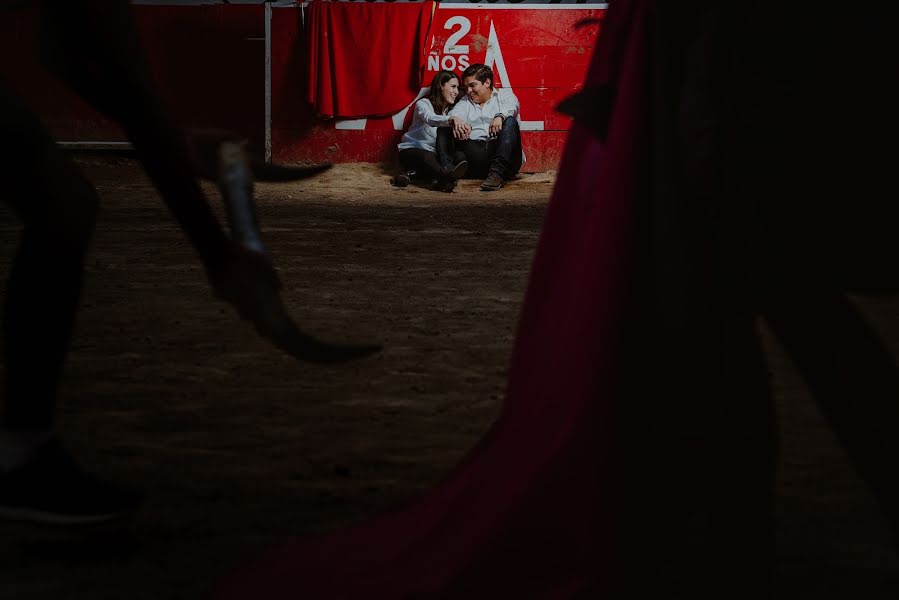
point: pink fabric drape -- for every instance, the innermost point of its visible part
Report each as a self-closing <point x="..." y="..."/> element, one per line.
<point x="529" y="512"/>
<point x="548" y="504"/>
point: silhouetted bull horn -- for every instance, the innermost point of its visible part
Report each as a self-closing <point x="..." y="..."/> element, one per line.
<point x="277" y="326"/>
<point x="205" y="145"/>
<point x="269" y="315"/>
<point x="275" y="173"/>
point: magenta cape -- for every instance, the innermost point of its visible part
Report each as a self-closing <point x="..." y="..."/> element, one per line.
<point x="527" y="512"/>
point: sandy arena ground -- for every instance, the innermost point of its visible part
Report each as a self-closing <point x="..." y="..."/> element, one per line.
<point x="238" y="446"/>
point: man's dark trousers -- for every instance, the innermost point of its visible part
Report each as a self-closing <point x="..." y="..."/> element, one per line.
<point x="501" y="154"/>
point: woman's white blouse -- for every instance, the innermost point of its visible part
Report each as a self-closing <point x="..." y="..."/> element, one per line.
<point x="423" y="131"/>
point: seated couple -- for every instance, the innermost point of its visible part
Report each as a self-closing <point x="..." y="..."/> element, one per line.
<point x="478" y="135"/>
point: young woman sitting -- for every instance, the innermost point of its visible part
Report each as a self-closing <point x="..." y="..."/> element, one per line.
<point x="418" y="147"/>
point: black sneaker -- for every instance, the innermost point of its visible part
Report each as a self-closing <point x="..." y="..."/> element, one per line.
<point x="51" y="488"/>
<point x="458" y="172"/>
<point x="493" y="182"/>
<point x="401" y="180"/>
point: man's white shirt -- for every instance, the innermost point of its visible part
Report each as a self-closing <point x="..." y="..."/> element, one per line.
<point x="503" y="102"/>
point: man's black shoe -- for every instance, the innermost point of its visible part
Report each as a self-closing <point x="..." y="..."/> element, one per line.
<point x="52" y="488"/>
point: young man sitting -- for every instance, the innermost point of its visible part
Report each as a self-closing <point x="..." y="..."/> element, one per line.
<point x="490" y="138"/>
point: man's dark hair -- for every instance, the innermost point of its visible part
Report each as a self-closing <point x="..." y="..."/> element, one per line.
<point x="480" y="72"/>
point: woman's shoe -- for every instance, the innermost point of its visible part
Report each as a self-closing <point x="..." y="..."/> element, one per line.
<point x="444" y="185"/>
<point x="401" y="180"/>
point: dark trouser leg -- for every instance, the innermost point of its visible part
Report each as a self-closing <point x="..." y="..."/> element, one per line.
<point x="422" y="161"/>
<point x="57" y="206"/>
<point x="475" y="152"/>
<point x="450" y="151"/>
<point x="505" y="150"/>
<point x="446" y="149"/>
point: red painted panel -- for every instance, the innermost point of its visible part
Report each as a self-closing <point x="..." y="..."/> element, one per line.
<point x="544" y="57"/>
<point x="325" y="143"/>
<point x="544" y="148"/>
<point x="290" y="111"/>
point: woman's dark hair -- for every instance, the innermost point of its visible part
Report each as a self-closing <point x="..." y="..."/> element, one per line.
<point x="436" y="95"/>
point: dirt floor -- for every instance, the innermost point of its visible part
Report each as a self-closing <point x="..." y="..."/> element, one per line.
<point x="237" y="445"/>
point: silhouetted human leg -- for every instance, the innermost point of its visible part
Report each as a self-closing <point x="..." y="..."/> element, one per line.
<point x="853" y="378"/>
<point x="57" y="206"/>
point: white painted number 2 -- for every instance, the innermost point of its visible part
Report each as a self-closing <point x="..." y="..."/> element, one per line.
<point x="454" y="56"/>
<point x="464" y="27"/>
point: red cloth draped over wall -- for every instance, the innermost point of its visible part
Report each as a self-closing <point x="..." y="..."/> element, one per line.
<point x="365" y="59"/>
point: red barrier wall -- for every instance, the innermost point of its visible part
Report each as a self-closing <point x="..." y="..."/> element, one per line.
<point x="537" y="50"/>
<point x="210" y="63"/>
